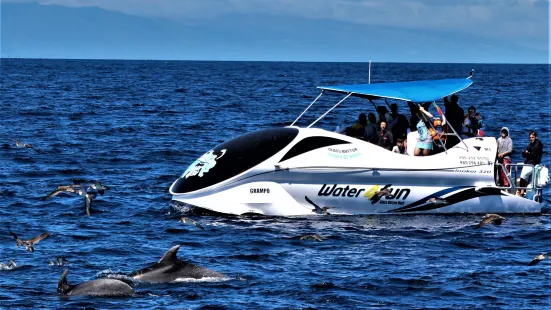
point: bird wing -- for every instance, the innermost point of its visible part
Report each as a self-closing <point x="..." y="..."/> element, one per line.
<point x="316" y="207"/>
<point x="536" y="260"/>
<point x="14" y="235"/>
<point x="30" y="146"/>
<point x="198" y="225"/>
<point x="485" y="221"/>
<point x="38" y="238"/>
<point x="58" y="190"/>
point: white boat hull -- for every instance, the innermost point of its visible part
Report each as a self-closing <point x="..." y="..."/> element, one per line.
<point x="286" y="200"/>
<point x="349" y="177"/>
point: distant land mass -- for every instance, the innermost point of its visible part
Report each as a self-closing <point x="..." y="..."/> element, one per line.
<point x="30" y="30"/>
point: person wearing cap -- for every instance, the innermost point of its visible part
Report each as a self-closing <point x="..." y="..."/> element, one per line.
<point x="477" y="125"/>
<point x="469" y="123"/>
<point x="533" y="154"/>
<point x="424" y="140"/>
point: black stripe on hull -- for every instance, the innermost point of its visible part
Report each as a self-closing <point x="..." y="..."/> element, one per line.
<point x="466" y="194"/>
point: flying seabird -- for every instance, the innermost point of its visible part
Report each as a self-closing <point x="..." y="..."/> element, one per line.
<point x="317" y="208"/>
<point x="94" y="184"/>
<point x="29" y="244"/>
<point x="385" y="191"/>
<point x="491" y="218"/>
<point x="539" y="258"/>
<point x="10" y="265"/>
<point x="59" y="261"/>
<point x="311" y="237"/>
<point x="20" y="145"/>
<point x="187" y="220"/>
<point x="73" y="188"/>
<point x="88" y="198"/>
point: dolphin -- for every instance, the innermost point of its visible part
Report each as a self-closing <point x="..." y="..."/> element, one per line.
<point x="99" y="287"/>
<point x="171" y="269"/>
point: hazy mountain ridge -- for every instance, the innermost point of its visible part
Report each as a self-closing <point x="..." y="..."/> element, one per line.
<point x="41" y="31"/>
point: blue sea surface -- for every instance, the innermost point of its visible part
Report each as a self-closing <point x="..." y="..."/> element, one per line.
<point x="137" y="126"/>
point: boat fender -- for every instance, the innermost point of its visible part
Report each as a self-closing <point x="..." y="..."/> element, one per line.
<point x="541" y="175"/>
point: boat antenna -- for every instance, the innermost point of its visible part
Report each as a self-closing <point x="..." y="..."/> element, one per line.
<point x="369" y="74"/>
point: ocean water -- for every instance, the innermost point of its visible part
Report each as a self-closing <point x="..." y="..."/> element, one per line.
<point x="137" y="125"/>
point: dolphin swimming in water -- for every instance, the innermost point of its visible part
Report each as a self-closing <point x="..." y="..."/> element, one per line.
<point x="99" y="287"/>
<point x="171" y="269"/>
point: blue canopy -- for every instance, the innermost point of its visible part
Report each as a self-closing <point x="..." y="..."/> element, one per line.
<point x="416" y="91"/>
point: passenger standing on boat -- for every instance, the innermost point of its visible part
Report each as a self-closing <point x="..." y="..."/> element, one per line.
<point x="504" y="151"/>
<point x="385" y="137"/>
<point x="371" y="129"/>
<point x="383" y="115"/>
<point x="478" y="125"/>
<point x="400" y="147"/>
<point x="455" y="116"/>
<point x="533" y="154"/>
<point x="454" y="112"/>
<point x="358" y="129"/>
<point x="504" y="146"/>
<point x="414" y="119"/>
<point x="399" y="124"/>
<point x="424" y="141"/>
<point x="470" y="123"/>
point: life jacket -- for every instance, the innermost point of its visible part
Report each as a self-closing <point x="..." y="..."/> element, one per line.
<point x="439" y="132"/>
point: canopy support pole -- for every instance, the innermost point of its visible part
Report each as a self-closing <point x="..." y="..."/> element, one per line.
<point x="343" y="99"/>
<point x="373" y="103"/>
<point x="308" y="107"/>
<point x="369" y="74"/>
<point x="450" y="126"/>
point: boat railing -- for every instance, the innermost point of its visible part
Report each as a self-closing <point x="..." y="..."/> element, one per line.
<point x="533" y="190"/>
<point x="506" y="174"/>
<point x="533" y="181"/>
<point x="513" y="175"/>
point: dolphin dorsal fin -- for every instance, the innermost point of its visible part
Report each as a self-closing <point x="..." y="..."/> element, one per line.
<point x="170" y="255"/>
<point x="63" y="286"/>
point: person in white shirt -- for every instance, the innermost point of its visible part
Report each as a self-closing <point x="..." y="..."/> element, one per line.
<point x="400" y="147"/>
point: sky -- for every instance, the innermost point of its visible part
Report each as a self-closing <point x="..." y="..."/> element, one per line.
<point x="503" y="31"/>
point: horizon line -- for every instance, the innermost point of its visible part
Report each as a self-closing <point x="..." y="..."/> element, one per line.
<point x="303" y="61"/>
